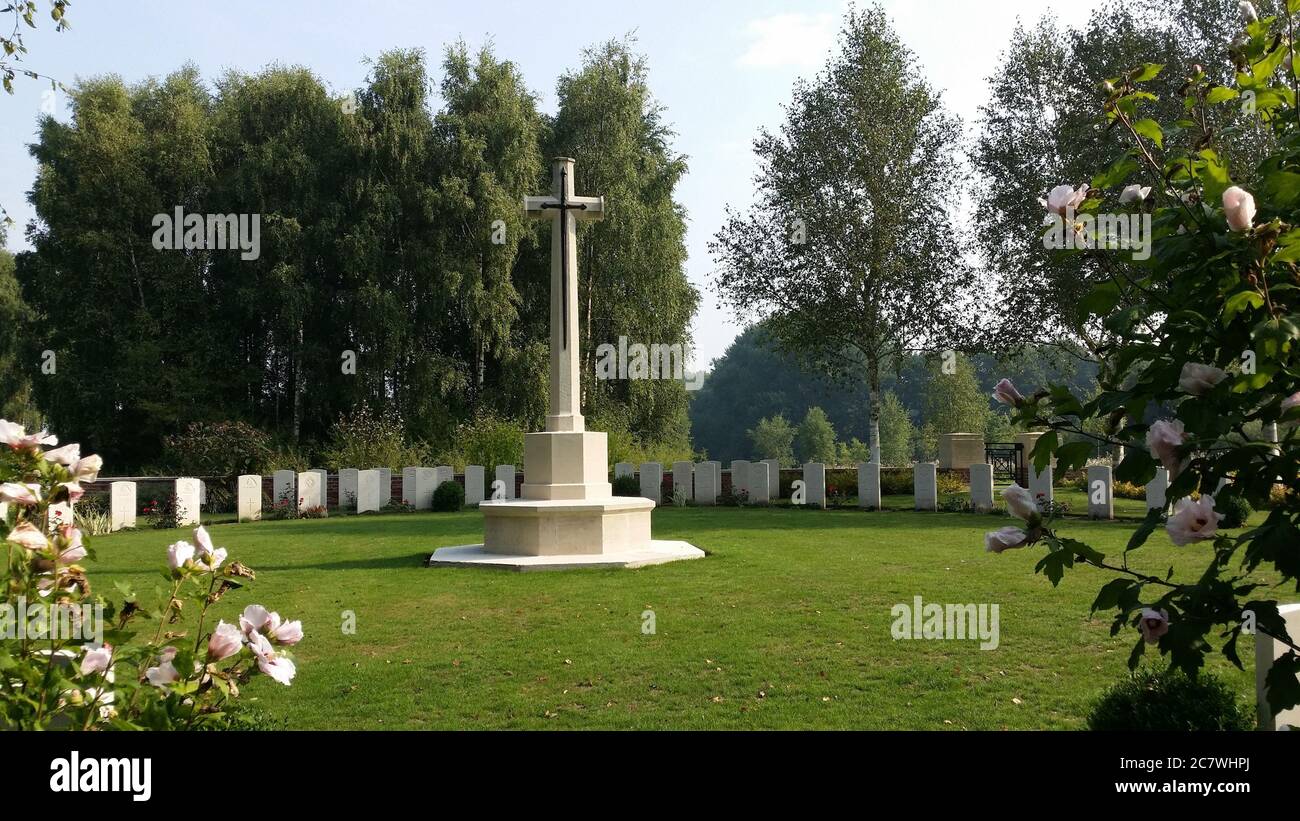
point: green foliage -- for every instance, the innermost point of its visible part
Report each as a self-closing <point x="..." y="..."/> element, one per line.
<point x="364" y="439"/>
<point x="1191" y="362"/>
<point x="852" y="452"/>
<point x="897" y="482"/>
<point x="1152" y="700"/>
<point x="815" y="438"/>
<point x="1235" y="510"/>
<point x="851" y="251"/>
<point x="626" y="486"/>
<point x="217" y="449"/>
<point x="773" y="439"/>
<point x="378" y="236"/>
<point x="896" y="432"/>
<point x="955" y="402"/>
<point x="486" y="440"/>
<point x="448" y="497"/>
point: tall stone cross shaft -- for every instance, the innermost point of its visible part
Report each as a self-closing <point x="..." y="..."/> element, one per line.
<point x="564" y="209"/>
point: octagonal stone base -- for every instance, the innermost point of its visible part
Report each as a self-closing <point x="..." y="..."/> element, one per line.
<point x="474" y="555"/>
<point x="554" y="527"/>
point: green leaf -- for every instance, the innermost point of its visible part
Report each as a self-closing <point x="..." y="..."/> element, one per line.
<point x="1240" y="301"/>
<point x="1144" y="531"/>
<point x="1151" y="130"/>
<point x="1053" y="565"/>
<point x="1072" y="456"/>
<point x="1283" y="683"/>
<point x="1220" y="94"/>
<point x="1148" y="71"/>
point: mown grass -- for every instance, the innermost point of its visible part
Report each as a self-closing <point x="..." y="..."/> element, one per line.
<point x="786" y="624"/>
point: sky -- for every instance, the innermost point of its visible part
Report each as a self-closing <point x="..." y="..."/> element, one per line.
<point x="722" y="69"/>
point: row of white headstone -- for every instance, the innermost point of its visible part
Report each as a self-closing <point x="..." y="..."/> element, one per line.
<point x="701" y="483"/>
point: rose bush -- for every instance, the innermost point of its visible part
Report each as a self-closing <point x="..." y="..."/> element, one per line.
<point x="79" y="661"/>
<point x="1205" y="342"/>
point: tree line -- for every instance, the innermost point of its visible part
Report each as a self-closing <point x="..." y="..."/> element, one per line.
<point x="392" y="239"/>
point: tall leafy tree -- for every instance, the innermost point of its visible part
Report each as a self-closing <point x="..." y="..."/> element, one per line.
<point x="815" y="438"/>
<point x="631" y="265"/>
<point x="773" y="438"/>
<point x="896" y="431"/>
<point x="851" y="251"/>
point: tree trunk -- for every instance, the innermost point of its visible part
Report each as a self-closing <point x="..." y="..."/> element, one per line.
<point x="873" y="376"/>
<point x="297" y="387"/>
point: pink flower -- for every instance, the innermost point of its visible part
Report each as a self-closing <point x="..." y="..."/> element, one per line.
<point x="1153" y="624"/>
<point x="179" y="554"/>
<point x="16" y="437"/>
<point x="275" y="665"/>
<point x="87" y="468"/>
<point x="75" y="551"/>
<point x="28" y="536"/>
<point x="66" y="455"/>
<point x="288" y="633"/>
<point x="75" y="491"/>
<point x="1198" y="379"/>
<point x="165" y="673"/>
<point x="1134" y="193"/>
<point x="18" y="494"/>
<point x="225" y="642"/>
<point x="1006" y="393"/>
<point x="1164" y="439"/>
<point x="1006" y="538"/>
<point x="1239" y="208"/>
<point x="254" y="617"/>
<point x="1064" y="198"/>
<point x="1193" y="521"/>
<point x="207" y="557"/>
<point x="97" y="659"/>
<point x="1020" y="502"/>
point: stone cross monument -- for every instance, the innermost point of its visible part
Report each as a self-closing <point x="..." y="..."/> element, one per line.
<point x="567" y="515"/>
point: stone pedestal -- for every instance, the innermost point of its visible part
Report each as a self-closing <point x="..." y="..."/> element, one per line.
<point x="565" y="465"/>
<point x="958" y="451"/>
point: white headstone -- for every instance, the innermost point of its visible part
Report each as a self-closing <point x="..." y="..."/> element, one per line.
<point x="1268" y="650"/>
<point x="248" y="498"/>
<point x="624" y="469"/>
<point x="348" y="479"/>
<point x="814" y="484"/>
<point x="506" y="474"/>
<point x="282" y="488"/>
<point x="368" y="481"/>
<point x="760" y="487"/>
<point x="443" y="473"/>
<point x="408" y="485"/>
<point x="310" y="491"/>
<point x="652" y="481"/>
<point x="773" y="477"/>
<point x="1101" y="500"/>
<point x="739" y="476"/>
<point x="981" y="487"/>
<point x="385" y="486"/>
<point x="203" y="493"/>
<point x="684" y="480"/>
<point x="1157" y="489"/>
<point x="475" y="487"/>
<point x="58" y="514"/>
<point x="187" y="501"/>
<point x="925" y="486"/>
<point x="1040" y="486"/>
<point x="121" y="505"/>
<point x="869" y="485"/>
<point x="324" y="476"/>
<point x="708" y="482"/>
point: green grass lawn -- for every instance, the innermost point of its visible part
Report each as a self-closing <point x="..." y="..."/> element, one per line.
<point x="786" y="624"/>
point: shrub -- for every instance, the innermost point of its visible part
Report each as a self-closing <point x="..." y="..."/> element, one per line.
<point x="363" y="438"/>
<point x="1235" y="510"/>
<point x="949" y="482"/>
<point x="315" y="512"/>
<point x="487" y="440"/>
<point x="1128" y="490"/>
<point x="164" y="513"/>
<point x="217" y="449"/>
<point x="895" y="482"/>
<point x="93" y="517"/>
<point x="734" y="498"/>
<point x="1150" y="699"/>
<point x="448" y="497"/>
<point x="398" y="506"/>
<point x="116" y="674"/>
<point x="626" y="486"/>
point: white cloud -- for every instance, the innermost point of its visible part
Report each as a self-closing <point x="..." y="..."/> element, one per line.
<point x="799" y="40"/>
